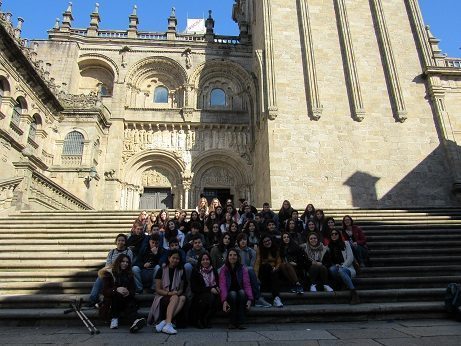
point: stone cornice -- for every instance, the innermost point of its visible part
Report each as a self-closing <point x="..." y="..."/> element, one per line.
<point x="28" y="72"/>
<point x="442" y="71"/>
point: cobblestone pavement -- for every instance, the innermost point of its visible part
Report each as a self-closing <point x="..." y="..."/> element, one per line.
<point x="388" y="333"/>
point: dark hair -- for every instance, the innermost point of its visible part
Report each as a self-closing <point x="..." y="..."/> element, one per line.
<point x="116" y="270"/>
<point x="329" y="219"/>
<point x="173" y="240"/>
<point x="195" y="237"/>
<point x="155" y="237"/>
<point x="221" y="246"/>
<point x="264" y="251"/>
<point x="175" y="252"/>
<point x="239" y="259"/>
<point x="265" y="204"/>
<point x="200" y="257"/>
<point x="352" y="221"/>
<point x="195" y="225"/>
<point x="121" y="235"/>
<point x="241" y="236"/>
<point x="290" y="246"/>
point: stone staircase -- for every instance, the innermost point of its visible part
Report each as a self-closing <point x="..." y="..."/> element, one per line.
<point x="48" y="259"/>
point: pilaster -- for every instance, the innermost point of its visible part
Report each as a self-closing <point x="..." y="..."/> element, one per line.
<point x="269" y="73"/>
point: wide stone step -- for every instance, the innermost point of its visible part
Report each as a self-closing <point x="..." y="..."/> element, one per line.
<point x="406" y="282"/>
<point x="294" y="313"/>
<point x="429" y="238"/>
<point x="416" y="251"/>
<point x="407" y="271"/>
<point x="49" y="264"/>
<point x="409" y="243"/>
<point x="414" y="260"/>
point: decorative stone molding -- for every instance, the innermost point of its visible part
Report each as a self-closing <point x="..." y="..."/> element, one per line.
<point x="272" y="109"/>
<point x="315" y="107"/>
<point x="7" y="188"/>
<point x="82" y="101"/>
<point x="155" y="178"/>
<point x="354" y="87"/>
<point x="390" y="67"/>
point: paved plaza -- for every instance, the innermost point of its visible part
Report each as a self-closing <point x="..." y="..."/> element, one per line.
<point x="389" y="333"/>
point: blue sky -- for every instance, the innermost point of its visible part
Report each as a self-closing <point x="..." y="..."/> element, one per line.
<point x="40" y="15"/>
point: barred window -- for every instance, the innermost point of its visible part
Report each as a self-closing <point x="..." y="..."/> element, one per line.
<point x="16" y="118"/>
<point x="33" y="129"/>
<point x="161" y="95"/>
<point x="73" y="144"/>
<point x="217" y="98"/>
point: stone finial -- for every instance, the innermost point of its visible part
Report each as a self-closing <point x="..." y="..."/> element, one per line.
<point x="8" y="16"/>
<point x="95" y="19"/>
<point x="173" y="12"/>
<point x="1" y="3"/>
<point x="56" y="24"/>
<point x="434" y="44"/>
<point x="172" y="23"/>
<point x="67" y="18"/>
<point x="20" y="23"/>
<point x="209" y="24"/>
<point x="134" y="21"/>
<point x="96" y="8"/>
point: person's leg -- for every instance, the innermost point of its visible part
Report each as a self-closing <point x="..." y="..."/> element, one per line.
<point x="188" y="270"/>
<point x="360" y="253"/>
<point x="345" y="275"/>
<point x="95" y="291"/>
<point x="174" y="300"/>
<point x="147" y="277"/>
<point x="265" y="272"/>
<point x="180" y="305"/>
<point x="116" y="306"/>
<point x="137" y="278"/>
<point x="275" y="282"/>
<point x="289" y="272"/>
<point x="232" y="301"/>
<point x="241" y="302"/>
<point x="156" y="268"/>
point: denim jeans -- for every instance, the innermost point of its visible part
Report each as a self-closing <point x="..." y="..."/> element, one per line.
<point x="343" y="274"/>
<point x="96" y="290"/>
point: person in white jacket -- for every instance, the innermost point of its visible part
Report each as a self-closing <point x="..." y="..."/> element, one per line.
<point x="342" y="263"/>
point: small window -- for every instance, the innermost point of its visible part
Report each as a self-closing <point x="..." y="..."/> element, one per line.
<point x="104" y="90"/>
<point x="33" y="129"/>
<point x="217" y="98"/>
<point x="73" y="144"/>
<point x="161" y="95"/>
<point x="16" y="118"/>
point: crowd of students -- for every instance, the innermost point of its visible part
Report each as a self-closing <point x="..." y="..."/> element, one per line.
<point x="222" y="258"/>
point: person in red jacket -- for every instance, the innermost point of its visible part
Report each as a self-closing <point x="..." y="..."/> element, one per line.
<point x="355" y="236"/>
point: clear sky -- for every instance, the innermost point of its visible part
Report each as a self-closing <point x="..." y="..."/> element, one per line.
<point x="40" y="15"/>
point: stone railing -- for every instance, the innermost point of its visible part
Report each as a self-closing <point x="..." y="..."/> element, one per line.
<point x="113" y="34"/>
<point x="44" y="192"/>
<point x="151" y="35"/>
<point x="7" y="188"/>
<point x="453" y="62"/>
<point x="226" y="39"/>
<point x="71" y="160"/>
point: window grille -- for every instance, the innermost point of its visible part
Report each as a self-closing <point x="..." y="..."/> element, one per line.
<point x="16" y="118"/>
<point x="161" y="95"/>
<point x="33" y="129"/>
<point x="217" y="98"/>
<point x="73" y="144"/>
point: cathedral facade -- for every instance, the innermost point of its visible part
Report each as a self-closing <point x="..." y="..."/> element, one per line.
<point x="340" y="103"/>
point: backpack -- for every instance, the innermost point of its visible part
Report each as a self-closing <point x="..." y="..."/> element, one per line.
<point x="453" y="299"/>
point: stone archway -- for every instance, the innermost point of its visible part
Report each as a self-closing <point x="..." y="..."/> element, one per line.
<point x="222" y="172"/>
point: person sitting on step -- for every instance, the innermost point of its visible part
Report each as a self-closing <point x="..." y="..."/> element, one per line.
<point x="355" y="236"/>
<point x="119" y="290"/>
<point x="318" y="254"/>
<point x="294" y="261"/>
<point x="121" y="248"/>
<point x="138" y="242"/>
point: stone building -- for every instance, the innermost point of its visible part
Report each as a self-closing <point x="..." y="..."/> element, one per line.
<point x="340" y="103"/>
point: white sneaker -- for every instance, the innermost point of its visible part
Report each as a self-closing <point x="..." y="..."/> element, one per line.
<point x="277" y="302"/>
<point x="327" y="288"/>
<point x="313" y="288"/>
<point x="159" y="327"/>
<point x="168" y="329"/>
<point x="114" y="323"/>
<point x="262" y="303"/>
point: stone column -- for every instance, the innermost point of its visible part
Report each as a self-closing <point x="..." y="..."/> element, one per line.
<point x="354" y="87"/>
<point x="390" y="67"/>
<point x="272" y="109"/>
<point x="25" y="170"/>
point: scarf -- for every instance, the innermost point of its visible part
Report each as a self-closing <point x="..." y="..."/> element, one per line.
<point x="208" y="276"/>
<point x="315" y="253"/>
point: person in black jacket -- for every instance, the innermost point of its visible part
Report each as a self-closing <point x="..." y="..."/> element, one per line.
<point x="205" y="287"/>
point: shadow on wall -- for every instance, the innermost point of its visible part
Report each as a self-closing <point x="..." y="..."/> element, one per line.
<point x="429" y="184"/>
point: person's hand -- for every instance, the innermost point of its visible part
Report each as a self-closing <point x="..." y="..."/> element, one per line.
<point x="174" y="293"/>
<point x="154" y="250"/>
<point x="354" y="243"/>
<point x="123" y="291"/>
<point x="248" y="305"/>
<point x="226" y="307"/>
<point x="214" y="290"/>
<point x="274" y="269"/>
<point x="293" y="264"/>
<point x="147" y="265"/>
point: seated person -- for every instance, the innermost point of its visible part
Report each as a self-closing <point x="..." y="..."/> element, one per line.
<point x="318" y="254"/>
<point x="138" y="243"/>
<point x="169" y="299"/>
<point x="355" y="236"/>
<point x="144" y="276"/>
<point x="193" y="233"/>
<point x="294" y="262"/>
<point x="118" y="290"/>
<point x="193" y="255"/>
<point x="120" y="249"/>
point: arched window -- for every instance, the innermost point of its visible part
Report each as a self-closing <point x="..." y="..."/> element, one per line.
<point x="104" y="90"/>
<point x="73" y="144"/>
<point x="217" y="98"/>
<point x="16" y="117"/>
<point x="161" y="95"/>
<point x="33" y="129"/>
<point x="2" y="92"/>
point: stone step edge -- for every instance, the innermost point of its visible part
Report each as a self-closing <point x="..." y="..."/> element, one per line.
<point x="288" y="310"/>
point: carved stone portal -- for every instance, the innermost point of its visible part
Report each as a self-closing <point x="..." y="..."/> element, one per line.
<point x="154" y="178"/>
<point x="217" y="176"/>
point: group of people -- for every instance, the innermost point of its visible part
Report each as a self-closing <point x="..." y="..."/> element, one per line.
<point x="222" y="258"/>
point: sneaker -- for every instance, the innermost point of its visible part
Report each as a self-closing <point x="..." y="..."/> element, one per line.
<point x="299" y="289"/>
<point x="294" y="289"/>
<point x="262" y="303"/>
<point x="114" y="323"/>
<point x="160" y="326"/>
<point x="313" y="288"/>
<point x="137" y="325"/>
<point x="168" y="329"/>
<point x="327" y="288"/>
<point x="277" y="302"/>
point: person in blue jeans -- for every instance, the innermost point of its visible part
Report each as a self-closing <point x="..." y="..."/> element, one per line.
<point x="121" y="248"/>
<point x="342" y="267"/>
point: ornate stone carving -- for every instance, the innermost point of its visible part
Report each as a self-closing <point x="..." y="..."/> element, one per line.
<point x="188" y="55"/>
<point x="82" y="101"/>
<point x="217" y="176"/>
<point x="155" y="178"/>
<point x="110" y="175"/>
